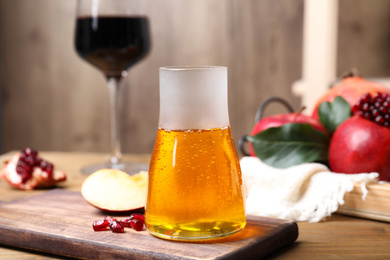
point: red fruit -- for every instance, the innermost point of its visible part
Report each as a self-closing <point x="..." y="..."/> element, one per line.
<point x="110" y="219"/>
<point x="126" y="222"/>
<point x="116" y="227"/>
<point x="27" y="151"/>
<point x="137" y="225"/>
<point x="137" y="216"/>
<point x="352" y="88"/>
<point x="100" y="225"/>
<point x="135" y="221"/>
<point x="360" y="146"/>
<point x="282" y="119"/>
<point x="27" y="171"/>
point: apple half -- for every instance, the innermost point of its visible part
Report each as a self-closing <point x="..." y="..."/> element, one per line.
<point x="115" y="191"/>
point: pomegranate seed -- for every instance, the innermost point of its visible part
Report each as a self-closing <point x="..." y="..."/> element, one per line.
<point x="366" y="98"/>
<point x="135" y="221"/>
<point x="30" y="160"/>
<point x="365" y="107"/>
<point x="38" y="161"/>
<point x="24" y="171"/>
<point x="375" y="112"/>
<point x="367" y="116"/>
<point x="116" y="227"/>
<point x="27" y="151"/>
<point x="43" y="165"/>
<point x="49" y="169"/>
<point x="137" y="225"/>
<point x="100" y="225"/>
<point x="110" y="219"/>
<point x="126" y="222"/>
<point x="25" y="176"/>
<point x="379" y="119"/>
<point x="383" y="110"/>
<point x="137" y="216"/>
<point x="23" y="165"/>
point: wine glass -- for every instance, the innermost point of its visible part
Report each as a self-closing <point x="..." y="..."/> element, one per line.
<point x="112" y="35"/>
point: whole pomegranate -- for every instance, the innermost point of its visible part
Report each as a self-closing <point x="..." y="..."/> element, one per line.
<point x="362" y="142"/>
<point x="352" y="88"/>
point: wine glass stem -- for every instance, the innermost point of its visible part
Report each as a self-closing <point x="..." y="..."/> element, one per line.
<point x="113" y="89"/>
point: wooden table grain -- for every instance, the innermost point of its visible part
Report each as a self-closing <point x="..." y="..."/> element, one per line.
<point x="338" y="237"/>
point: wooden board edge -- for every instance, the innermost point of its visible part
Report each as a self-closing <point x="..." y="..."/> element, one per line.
<point x="18" y="238"/>
<point x="285" y="235"/>
<point x="361" y="213"/>
<point x="289" y="233"/>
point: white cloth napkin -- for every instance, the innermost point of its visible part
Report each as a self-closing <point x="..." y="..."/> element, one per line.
<point x="306" y="192"/>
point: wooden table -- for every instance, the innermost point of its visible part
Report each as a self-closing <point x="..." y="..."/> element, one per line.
<point x="339" y="237"/>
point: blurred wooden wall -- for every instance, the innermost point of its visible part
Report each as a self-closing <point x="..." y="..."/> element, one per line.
<point x="53" y="100"/>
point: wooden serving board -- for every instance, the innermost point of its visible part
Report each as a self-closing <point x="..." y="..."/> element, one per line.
<point x="60" y="222"/>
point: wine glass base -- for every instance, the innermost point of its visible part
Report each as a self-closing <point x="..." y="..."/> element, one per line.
<point x="130" y="168"/>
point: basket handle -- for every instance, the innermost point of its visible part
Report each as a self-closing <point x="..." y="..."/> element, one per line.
<point x="259" y="114"/>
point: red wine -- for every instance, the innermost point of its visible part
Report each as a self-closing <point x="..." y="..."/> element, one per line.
<point x="113" y="44"/>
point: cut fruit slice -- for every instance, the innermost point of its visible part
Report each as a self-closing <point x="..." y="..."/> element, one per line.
<point x="114" y="190"/>
<point x="37" y="174"/>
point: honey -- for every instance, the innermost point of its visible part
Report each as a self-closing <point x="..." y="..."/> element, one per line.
<point x="195" y="186"/>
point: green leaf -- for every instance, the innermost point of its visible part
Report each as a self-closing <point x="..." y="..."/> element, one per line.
<point x="290" y="144"/>
<point x="334" y="113"/>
